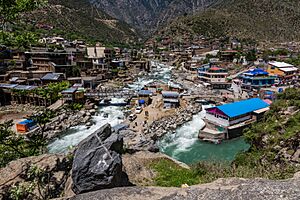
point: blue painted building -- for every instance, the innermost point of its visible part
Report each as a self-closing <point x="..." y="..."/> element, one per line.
<point x="257" y="78"/>
<point x="229" y="120"/>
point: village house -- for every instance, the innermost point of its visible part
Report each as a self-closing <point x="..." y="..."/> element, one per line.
<point x="192" y="65"/>
<point x="145" y="97"/>
<point x="257" y="78"/>
<point x="170" y="99"/>
<point x="10" y="94"/>
<point x="97" y="57"/>
<point x="213" y="75"/>
<point x="228" y="55"/>
<point x="73" y="94"/>
<point x="228" y="121"/>
<point x="91" y="82"/>
<point x="136" y="67"/>
<point x="41" y="59"/>
<point x="52" y="78"/>
<point x="24" y="77"/>
<point x="284" y="71"/>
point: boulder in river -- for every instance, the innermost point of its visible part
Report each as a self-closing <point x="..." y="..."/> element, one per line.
<point x="97" y="163"/>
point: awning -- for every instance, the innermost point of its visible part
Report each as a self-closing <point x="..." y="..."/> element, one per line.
<point x="171" y="100"/>
<point x="262" y="110"/>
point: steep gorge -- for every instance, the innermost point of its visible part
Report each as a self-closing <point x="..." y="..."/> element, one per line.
<point x="148" y="15"/>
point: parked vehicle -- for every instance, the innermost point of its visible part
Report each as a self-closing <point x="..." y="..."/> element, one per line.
<point x="138" y="110"/>
<point x="132" y="117"/>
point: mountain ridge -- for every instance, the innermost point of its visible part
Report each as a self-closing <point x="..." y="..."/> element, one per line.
<point x="78" y="18"/>
<point x="265" y="20"/>
<point x="148" y="15"/>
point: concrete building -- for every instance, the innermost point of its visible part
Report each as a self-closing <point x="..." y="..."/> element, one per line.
<point x="284" y="71"/>
<point x="215" y="76"/>
<point x="257" y="78"/>
<point x="228" y="121"/>
<point x="171" y="99"/>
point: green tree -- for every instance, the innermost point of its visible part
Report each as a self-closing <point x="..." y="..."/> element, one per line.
<point x="52" y="91"/>
<point x="14" y="146"/>
<point x="10" y="10"/>
<point x="42" y="119"/>
<point x="251" y="55"/>
<point x="11" y="144"/>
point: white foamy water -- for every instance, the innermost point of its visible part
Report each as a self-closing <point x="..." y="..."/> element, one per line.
<point x="115" y="114"/>
<point x="160" y="72"/>
<point x="185" y="136"/>
<point x="78" y="133"/>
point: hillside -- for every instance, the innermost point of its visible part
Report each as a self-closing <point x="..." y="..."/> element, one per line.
<point x="271" y="20"/>
<point x="78" y="18"/>
<point x="148" y="15"/>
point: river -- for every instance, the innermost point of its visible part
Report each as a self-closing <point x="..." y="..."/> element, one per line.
<point x="76" y="134"/>
<point x="183" y="145"/>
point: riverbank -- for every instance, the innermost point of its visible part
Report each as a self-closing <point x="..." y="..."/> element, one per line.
<point x="147" y="140"/>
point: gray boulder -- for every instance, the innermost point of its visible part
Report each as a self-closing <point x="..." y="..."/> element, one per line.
<point x="98" y="163"/>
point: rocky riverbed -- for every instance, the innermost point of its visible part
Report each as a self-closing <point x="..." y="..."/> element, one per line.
<point x="147" y="141"/>
<point x="66" y="118"/>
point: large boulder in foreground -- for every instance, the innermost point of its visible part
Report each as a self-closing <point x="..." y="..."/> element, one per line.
<point x="97" y="162"/>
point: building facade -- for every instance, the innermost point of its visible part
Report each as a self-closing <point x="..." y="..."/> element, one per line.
<point x="284" y="71"/>
<point x="256" y="78"/>
<point x="228" y="121"/>
<point x="213" y="75"/>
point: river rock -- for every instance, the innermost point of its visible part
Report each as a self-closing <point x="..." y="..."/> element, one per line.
<point x="85" y="119"/>
<point x="89" y="124"/>
<point x="93" y="111"/>
<point x="98" y="163"/>
<point x="88" y="114"/>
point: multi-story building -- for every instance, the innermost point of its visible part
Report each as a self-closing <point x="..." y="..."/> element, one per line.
<point x="256" y="78"/>
<point x="215" y="76"/>
<point x="100" y="58"/>
<point x="228" y="121"/>
<point x="284" y="71"/>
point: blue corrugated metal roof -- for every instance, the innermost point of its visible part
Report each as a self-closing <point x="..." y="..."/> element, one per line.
<point x="18" y="87"/>
<point x="242" y="107"/>
<point x="27" y="121"/>
<point x="8" y="86"/>
<point x="256" y="71"/>
<point x="25" y="87"/>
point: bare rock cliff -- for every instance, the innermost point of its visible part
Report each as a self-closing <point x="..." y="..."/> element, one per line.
<point x="224" y="189"/>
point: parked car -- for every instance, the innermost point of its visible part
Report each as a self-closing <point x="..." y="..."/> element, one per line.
<point x="132" y="117"/>
<point x="138" y="110"/>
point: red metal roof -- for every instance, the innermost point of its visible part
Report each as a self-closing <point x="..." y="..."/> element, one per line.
<point x="215" y="68"/>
